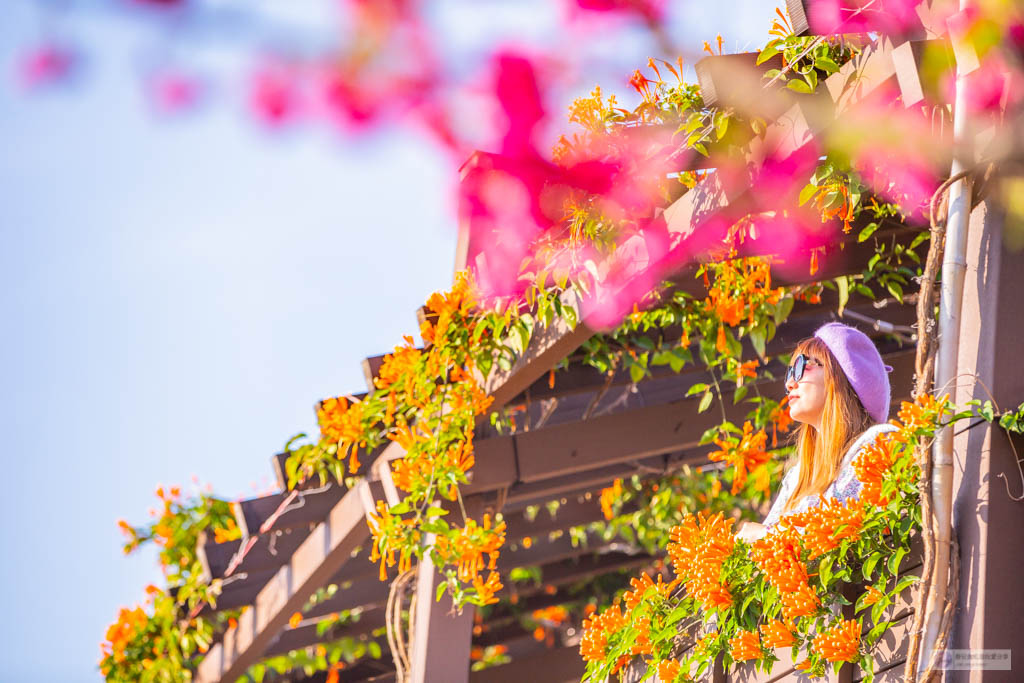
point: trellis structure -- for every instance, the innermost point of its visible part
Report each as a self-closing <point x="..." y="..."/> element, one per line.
<point x="586" y="430"/>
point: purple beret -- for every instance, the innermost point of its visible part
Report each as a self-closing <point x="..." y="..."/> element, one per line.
<point x="862" y="365"/>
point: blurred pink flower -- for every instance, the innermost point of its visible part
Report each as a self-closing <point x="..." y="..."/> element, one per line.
<point x="274" y="94"/>
<point x="173" y="91"/>
<point x="893" y="17"/>
<point x="46" y="64"/>
<point x="651" y="10"/>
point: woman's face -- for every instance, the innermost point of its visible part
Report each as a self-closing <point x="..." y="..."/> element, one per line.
<point x="807" y="396"/>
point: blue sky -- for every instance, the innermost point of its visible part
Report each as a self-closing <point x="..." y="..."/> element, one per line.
<point x="175" y="296"/>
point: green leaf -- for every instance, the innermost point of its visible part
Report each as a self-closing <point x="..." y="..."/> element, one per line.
<point x="869" y="565"/>
<point x="721" y="124"/>
<point x="921" y="237"/>
<point x="757" y="338"/>
<point x="895" y="289"/>
<point x="833" y="199"/>
<point x="440" y="590"/>
<point x="807" y="193"/>
<point x="374" y="649"/>
<point x="740" y="393"/>
<point x="767" y="53"/>
<point x="708" y="436"/>
<point x="908" y="580"/>
<point x="399" y="508"/>
<point x="636" y="372"/>
<point x="843" y="285"/>
<point x="434" y="512"/>
<point x="826" y="65"/>
<point x="705" y="401"/>
<point x="867" y="232"/>
<point x="696" y="389"/>
<point x="783" y="309"/>
<point x="799" y="86"/>
<point x="894" y="561"/>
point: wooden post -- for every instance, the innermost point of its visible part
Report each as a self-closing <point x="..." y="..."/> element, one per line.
<point x="441" y="639"/>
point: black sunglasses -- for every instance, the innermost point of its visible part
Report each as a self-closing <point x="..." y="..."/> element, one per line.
<point x="795" y="371"/>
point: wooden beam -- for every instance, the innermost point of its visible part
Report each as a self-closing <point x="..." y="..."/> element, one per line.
<point x="562" y="665"/>
<point x="312" y="565"/>
<point x="308" y="633"/>
<point x="567" y="449"/>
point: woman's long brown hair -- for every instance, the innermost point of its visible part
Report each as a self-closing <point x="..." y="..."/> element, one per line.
<point x="843" y="419"/>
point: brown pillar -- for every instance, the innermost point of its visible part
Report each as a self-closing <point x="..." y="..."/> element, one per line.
<point x="441" y="639"/>
<point x="987" y="521"/>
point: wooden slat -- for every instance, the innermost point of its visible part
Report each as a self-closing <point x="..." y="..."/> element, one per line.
<point x="561" y="665"/>
<point x="306" y="634"/>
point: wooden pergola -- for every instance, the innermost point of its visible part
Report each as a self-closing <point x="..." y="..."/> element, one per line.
<point x="572" y="439"/>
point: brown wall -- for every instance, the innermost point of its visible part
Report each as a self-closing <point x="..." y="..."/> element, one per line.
<point x="989" y="523"/>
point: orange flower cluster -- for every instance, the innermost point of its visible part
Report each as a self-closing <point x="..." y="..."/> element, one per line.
<point x="556" y="614"/>
<point x="746" y="645"/>
<point x="872" y="464"/>
<point x="458" y="301"/>
<point x="778" y="555"/>
<point x="596" y="630"/>
<point x="130" y="622"/>
<point x="741" y="286"/>
<point x="386" y="528"/>
<point x="609" y="496"/>
<point x="642" y="585"/>
<point x="400" y="365"/>
<point x="229" y="532"/>
<point x="923" y="413"/>
<point x="744" y="453"/>
<point x="643" y="645"/>
<point x="840" y="644"/>
<point x="668" y="669"/>
<point x="829" y="523"/>
<point x="777" y="634"/>
<point x="872" y="595"/>
<point x="698" y="548"/>
<point x="467" y="549"/>
<point x="802" y="602"/>
<point x="487" y="589"/>
<point x="341" y="422"/>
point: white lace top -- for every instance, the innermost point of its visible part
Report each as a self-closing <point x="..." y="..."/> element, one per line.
<point x="846" y="484"/>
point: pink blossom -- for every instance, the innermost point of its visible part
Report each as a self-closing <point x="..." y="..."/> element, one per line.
<point x="651" y="10"/>
<point x="46" y="64"/>
<point x="893" y="17"/>
<point x="274" y="95"/>
<point x="173" y="91"/>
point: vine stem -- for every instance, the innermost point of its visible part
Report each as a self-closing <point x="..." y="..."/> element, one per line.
<point x="718" y="390"/>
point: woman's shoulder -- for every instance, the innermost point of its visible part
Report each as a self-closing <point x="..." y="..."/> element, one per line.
<point x="868" y="436"/>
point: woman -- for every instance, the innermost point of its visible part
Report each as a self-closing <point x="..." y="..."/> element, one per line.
<point x="838" y="389"/>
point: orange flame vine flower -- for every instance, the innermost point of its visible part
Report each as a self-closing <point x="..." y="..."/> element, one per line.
<point x="596" y="630"/>
<point x="342" y="422"/>
<point x="829" y="523"/>
<point x="746" y="645"/>
<point x="744" y="454"/>
<point x="698" y="548"/>
<point x="609" y="495"/>
<point x="668" y="669"/>
<point x="777" y="634"/>
<point x="872" y="464"/>
<point x="840" y="644"/>
<point x="467" y="549"/>
<point x="642" y="585"/>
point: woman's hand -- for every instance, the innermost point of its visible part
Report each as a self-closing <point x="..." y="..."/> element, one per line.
<point x="750" y="531"/>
